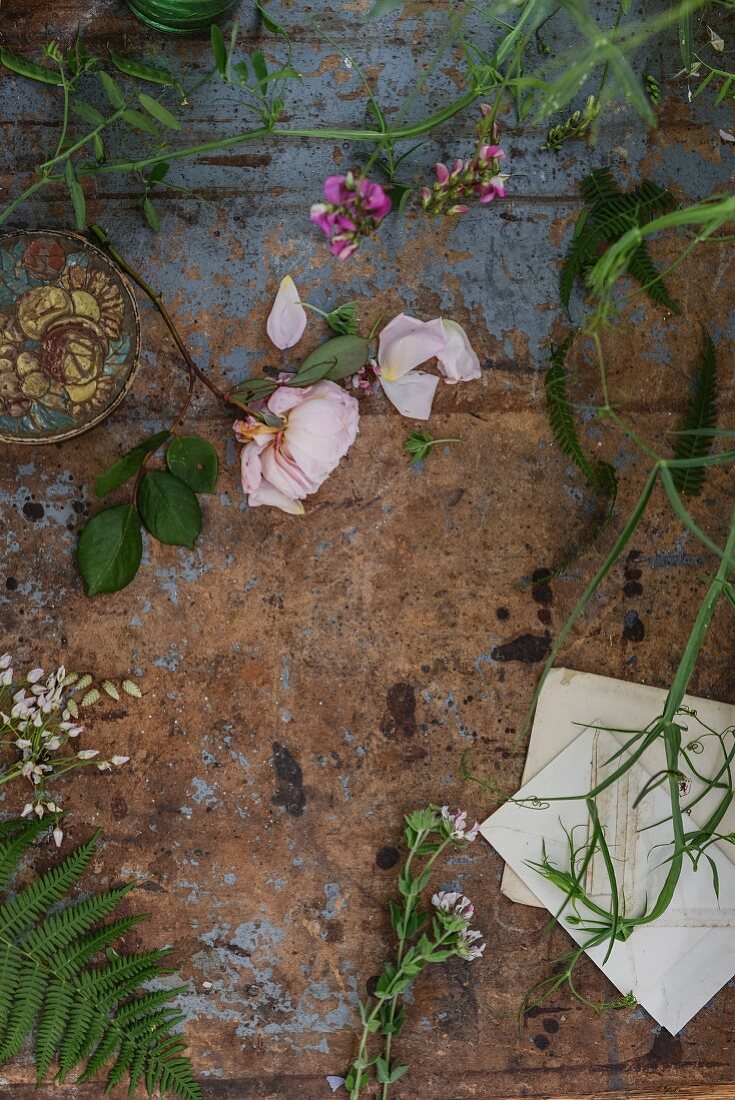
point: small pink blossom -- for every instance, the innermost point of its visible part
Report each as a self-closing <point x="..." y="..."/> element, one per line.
<point x="353" y="209"/>
<point x="451" y="901"/>
<point x="283" y="464"/>
<point x="468" y="946"/>
<point x="456" y="824"/>
<point x="287" y="319"/>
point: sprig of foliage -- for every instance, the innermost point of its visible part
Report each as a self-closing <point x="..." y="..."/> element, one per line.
<point x="695" y="438"/>
<point x="39" y="727"/>
<point x="419" y="445"/>
<point x="428" y="833"/>
<point x="82" y="1010"/>
<point x="609" y="215"/>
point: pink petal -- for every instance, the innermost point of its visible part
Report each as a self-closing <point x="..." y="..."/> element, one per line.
<point x="405" y="343"/>
<point x="287" y="320"/>
<point x="250" y="468"/>
<point x="458" y="361"/>
<point x="267" y="495"/>
<point x="413" y="394"/>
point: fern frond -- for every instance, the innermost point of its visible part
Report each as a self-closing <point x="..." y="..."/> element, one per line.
<point x="15" y="840"/>
<point x="82" y="1012"/>
<point x="607" y="215"/>
<point x="561" y="414"/>
<point x="642" y="268"/>
<point x="694" y="441"/>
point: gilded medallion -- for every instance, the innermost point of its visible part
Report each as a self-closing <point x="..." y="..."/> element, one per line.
<point x="69" y="336"/>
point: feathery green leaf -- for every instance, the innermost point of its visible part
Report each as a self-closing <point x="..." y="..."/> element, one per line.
<point x="82" y="1012"/>
<point x="695" y="440"/>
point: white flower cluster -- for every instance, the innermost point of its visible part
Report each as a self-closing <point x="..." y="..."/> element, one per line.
<point x="38" y="720"/>
<point x="456" y="911"/>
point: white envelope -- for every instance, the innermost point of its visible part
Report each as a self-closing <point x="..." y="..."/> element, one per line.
<point x="676" y="964"/>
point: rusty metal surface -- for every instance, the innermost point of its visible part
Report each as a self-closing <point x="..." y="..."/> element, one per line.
<point x="308" y="681"/>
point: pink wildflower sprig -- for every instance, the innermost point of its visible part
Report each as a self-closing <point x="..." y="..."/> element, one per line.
<point x="353" y="209"/>
<point x="478" y="178"/>
<point x="428" y="834"/>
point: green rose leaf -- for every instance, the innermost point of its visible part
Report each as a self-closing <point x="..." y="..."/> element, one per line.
<point x="338" y="358"/>
<point x="109" y="550"/>
<point x="169" y="509"/>
<point x="129" y="464"/>
<point x="194" y="461"/>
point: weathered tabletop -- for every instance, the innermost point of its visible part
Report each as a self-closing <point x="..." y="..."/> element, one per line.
<point x="309" y="681"/>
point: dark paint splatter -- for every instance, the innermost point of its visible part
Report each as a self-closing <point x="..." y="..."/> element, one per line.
<point x="541" y="590"/>
<point x="289" y="791"/>
<point x="528" y="648"/>
<point x="401" y="716"/>
<point x="551" y="1026"/>
<point x="633" y="628"/>
<point x="33" y="510"/>
<point x="386" y="858"/>
<point x="541" y="1041"/>
<point x="632" y="588"/>
<point x="502" y="613"/>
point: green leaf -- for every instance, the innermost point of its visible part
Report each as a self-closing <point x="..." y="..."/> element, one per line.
<point x="151" y="214"/>
<point x="22" y="67"/>
<point x="99" y="148"/>
<point x="219" y="49"/>
<point x="169" y="509"/>
<point x="195" y="462"/>
<point x="137" y="69"/>
<point x="158" y="111"/>
<point x="110" y="549"/>
<point x="269" y="21"/>
<point x="260" y="69"/>
<point x="87" y="113"/>
<point x="158" y="172"/>
<point x="382" y="7"/>
<point x="139" y="121"/>
<point x="129" y="464"/>
<point x="112" y="89"/>
<point x="76" y="195"/>
<point x="695" y="441"/>
<point x="338" y="358"/>
<point x="381" y="1071"/>
<point x="396" y="1073"/>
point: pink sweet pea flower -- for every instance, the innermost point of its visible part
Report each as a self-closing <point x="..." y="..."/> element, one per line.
<point x="287" y="319"/>
<point x="404" y="344"/>
<point x="281" y="465"/>
<point x="353" y="208"/>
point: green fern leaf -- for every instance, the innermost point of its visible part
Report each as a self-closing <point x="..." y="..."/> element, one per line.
<point x="694" y="442"/>
<point x="606" y="216"/>
<point x="561" y="414"/>
<point x="80" y="1011"/>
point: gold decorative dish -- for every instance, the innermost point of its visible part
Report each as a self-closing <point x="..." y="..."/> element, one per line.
<point x="69" y="336"/>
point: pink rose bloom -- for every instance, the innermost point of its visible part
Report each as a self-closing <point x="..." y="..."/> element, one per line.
<point x="282" y="465"/>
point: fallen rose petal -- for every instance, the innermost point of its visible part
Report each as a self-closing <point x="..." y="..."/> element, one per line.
<point x="335" y="1082"/>
<point x="458" y="362"/>
<point x="287" y="319"/>
<point x="412" y="394"/>
<point x="406" y="342"/>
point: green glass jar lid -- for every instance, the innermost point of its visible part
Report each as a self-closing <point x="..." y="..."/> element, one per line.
<point x="181" y="16"/>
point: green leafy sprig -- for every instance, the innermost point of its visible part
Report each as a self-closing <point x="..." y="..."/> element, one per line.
<point x="61" y="978"/>
<point x="419" y="445"/>
<point x="428" y="833"/>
